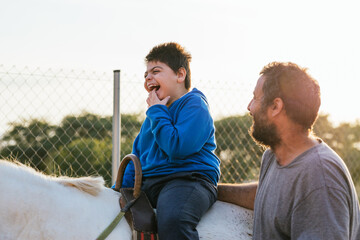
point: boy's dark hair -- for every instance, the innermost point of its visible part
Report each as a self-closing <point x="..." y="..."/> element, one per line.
<point x="173" y="55"/>
<point x="297" y="89"/>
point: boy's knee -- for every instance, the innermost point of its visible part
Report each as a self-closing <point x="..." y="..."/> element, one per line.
<point x="179" y="219"/>
<point x="177" y="226"/>
<point x="170" y="218"/>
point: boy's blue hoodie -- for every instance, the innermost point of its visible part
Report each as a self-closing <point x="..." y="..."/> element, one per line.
<point x="178" y="138"/>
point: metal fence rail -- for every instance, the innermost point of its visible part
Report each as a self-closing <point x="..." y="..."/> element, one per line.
<point x="60" y="122"/>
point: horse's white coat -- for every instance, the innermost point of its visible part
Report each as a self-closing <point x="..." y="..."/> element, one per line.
<point x="35" y="206"/>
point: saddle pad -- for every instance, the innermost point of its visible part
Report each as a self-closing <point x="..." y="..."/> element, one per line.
<point x="141" y="216"/>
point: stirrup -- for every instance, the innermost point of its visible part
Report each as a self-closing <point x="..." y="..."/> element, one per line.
<point x="140" y="215"/>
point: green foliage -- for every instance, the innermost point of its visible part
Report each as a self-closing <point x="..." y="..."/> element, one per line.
<point x="130" y="127"/>
<point x="84" y="126"/>
<point x="79" y="146"/>
<point x="28" y="142"/>
<point x="82" y="145"/>
<point x="83" y="157"/>
<point x="240" y="156"/>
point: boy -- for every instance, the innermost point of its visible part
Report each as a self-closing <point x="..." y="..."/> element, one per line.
<point x="175" y="145"/>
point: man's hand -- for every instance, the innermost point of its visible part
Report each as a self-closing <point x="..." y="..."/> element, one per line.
<point x="153" y="99"/>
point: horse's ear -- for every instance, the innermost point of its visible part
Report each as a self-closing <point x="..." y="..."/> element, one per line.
<point x="90" y="185"/>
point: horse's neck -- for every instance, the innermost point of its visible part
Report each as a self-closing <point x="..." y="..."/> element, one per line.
<point x="43" y="208"/>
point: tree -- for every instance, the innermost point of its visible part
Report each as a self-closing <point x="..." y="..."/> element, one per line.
<point x="82" y="145"/>
<point x="130" y="127"/>
<point x="240" y="156"/>
<point x="86" y="125"/>
<point x="83" y="157"/>
<point x="27" y="142"/>
<point x="79" y="145"/>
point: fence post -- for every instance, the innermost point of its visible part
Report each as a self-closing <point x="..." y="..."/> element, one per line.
<point x="116" y="127"/>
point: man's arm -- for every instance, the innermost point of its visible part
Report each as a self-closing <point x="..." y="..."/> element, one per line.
<point x="242" y="194"/>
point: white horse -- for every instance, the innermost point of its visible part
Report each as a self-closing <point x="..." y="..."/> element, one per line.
<point x="36" y="206"/>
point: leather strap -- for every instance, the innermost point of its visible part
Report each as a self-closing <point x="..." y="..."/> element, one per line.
<point x="141" y="216"/>
<point x="138" y="173"/>
<point x="111" y="226"/>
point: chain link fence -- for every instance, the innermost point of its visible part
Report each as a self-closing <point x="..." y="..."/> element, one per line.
<point x="60" y="122"/>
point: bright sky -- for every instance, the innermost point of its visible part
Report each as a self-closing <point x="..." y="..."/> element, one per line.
<point x="228" y="39"/>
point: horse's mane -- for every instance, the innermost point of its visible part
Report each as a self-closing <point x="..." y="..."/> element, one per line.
<point x="91" y="185"/>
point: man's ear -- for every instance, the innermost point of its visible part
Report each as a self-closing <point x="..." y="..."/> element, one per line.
<point x="181" y="74"/>
<point x="277" y="107"/>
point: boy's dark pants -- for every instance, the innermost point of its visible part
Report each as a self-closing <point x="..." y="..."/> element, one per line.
<point x="180" y="200"/>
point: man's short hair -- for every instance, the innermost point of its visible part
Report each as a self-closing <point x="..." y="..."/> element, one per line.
<point x="297" y="89"/>
<point x="173" y="55"/>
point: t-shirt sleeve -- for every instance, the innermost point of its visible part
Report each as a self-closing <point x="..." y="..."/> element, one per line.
<point x="323" y="214"/>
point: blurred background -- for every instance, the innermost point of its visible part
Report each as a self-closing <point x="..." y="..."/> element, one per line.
<point x="57" y="60"/>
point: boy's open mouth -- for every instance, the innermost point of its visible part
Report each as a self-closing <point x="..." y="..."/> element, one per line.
<point x="152" y="87"/>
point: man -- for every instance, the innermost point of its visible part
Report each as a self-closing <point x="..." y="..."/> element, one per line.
<point x="305" y="190"/>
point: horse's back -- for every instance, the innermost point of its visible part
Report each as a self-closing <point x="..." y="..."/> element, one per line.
<point x="226" y="221"/>
<point x="35" y="206"/>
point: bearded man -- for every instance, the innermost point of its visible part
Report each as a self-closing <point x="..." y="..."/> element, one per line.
<point x="305" y="190"/>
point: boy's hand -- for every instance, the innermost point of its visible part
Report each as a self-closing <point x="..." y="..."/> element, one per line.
<point x="153" y="99"/>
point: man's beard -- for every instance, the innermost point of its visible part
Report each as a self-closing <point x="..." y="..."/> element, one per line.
<point x="263" y="133"/>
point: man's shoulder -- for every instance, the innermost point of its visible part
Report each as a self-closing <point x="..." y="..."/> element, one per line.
<point x="328" y="159"/>
<point x="327" y="167"/>
<point x="317" y="156"/>
<point x="328" y="154"/>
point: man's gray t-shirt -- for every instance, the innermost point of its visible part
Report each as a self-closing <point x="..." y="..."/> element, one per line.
<point x="313" y="197"/>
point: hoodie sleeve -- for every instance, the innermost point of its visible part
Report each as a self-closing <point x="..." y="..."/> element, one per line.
<point x="187" y="133"/>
